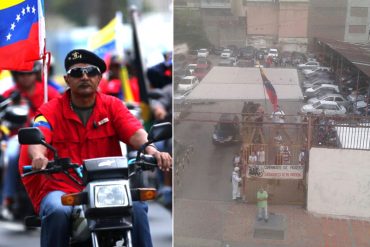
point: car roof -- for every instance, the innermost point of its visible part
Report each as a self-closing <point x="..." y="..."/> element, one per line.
<point x="189" y="77"/>
<point x="323" y="102"/>
<point x="332" y="95"/>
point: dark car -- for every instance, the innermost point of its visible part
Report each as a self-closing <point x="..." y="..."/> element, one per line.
<point x="226" y="129"/>
<point x="217" y="50"/>
<point x="246" y="53"/>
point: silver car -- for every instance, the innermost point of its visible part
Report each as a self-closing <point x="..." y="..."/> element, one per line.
<point x="326" y="107"/>
<point x="331" y="97"/>
<point x="320" y="90"/>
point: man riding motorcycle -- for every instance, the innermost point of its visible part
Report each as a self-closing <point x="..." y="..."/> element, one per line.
<point x="82" y="124"/>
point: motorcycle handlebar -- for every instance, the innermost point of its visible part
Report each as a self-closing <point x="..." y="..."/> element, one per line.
<point x="52" y="167"/>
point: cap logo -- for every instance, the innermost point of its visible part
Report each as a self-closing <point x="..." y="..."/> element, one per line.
<point x="75" y="55"/>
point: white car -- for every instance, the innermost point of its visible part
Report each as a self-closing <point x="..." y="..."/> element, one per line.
<point x="309" y="71"/>
<point x="320" y="90"/>
<point x="190" y="68"/>
<point x="326" y="107"/>
<point x="317" y="82"/>
<point x="308" y="65"/>
<point x="273" y="52"/>
<point x="187" y="83"/>
<point x="203" y="53"/>
<point x="226" y="53"/>
<point x="331" y="97"/>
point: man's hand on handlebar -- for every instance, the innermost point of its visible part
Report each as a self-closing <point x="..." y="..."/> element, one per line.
<point x="164" y="160"/>
<point x="39" y="162"/>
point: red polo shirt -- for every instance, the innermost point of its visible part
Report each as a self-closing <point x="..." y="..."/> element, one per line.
<point x="109" y="123"/>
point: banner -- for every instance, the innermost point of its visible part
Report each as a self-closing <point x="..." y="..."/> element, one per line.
<point x="275" y="171"/>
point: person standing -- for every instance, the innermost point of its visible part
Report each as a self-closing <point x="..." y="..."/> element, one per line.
<point x="252" y="159"/>
<point x="236" y="180"/>
<point x="261" y="156"/>
<point x="262" y="197"/>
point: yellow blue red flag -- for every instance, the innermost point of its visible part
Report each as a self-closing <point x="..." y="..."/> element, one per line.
<point x="22" y="33"/>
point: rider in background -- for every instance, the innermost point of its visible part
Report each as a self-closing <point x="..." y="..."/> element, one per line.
<point x="32" y="95"/>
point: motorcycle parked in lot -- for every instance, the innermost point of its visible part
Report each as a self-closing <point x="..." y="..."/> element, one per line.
<point x="102" y="212"/>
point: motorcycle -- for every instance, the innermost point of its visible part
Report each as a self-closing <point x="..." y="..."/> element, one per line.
<point x="102" y="213"/>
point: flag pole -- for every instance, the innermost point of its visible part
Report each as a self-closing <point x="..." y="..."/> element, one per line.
<point x="263" y="87"/>
<point x="144" y="101"/>
<point x="45" y="70"/>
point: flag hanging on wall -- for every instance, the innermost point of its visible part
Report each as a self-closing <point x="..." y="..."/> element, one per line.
<point x="22" y="33"/>
<point x="270" y="90"/>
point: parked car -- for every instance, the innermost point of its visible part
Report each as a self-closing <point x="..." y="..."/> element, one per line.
<point x="190" y="68"/>
<point x="227" y="129"/>
<point x="308" y="65"/>
<point x="309" y="71"/>
<point x="234" y="49"/>
<point x="361" y="108"/>
<point x="228" y="62"/>
<point x="319" y="81"/>
<point x="320" y="90"/>
<point x="324" y="107"/>
<point x="331" y="97"/>
<point x="203" y="66"/>
<point x="273" y="52"/>
<point x="217" y="50"/>
<point x="181" y="107"/>
<point x="203" y="53"/>
<point x="246" y="53"/>
<point x="226" y="53"/>
<point x="187" y="83"/>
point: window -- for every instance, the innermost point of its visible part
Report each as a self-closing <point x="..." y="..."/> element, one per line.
<point x="359" y="11"/>
<point x="357" y="29"/>
<point x="338" y="99"/>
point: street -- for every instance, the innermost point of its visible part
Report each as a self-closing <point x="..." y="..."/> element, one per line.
<point x="13" y="234"/>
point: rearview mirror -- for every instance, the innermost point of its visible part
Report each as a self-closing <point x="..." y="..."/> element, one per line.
<point x="159" y="132"/>
<point x="30" y="136"/>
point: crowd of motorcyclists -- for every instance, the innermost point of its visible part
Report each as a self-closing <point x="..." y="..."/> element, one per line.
<point x="27" y="94"/>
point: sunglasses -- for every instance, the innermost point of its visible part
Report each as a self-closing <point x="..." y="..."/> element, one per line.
<point x="78" y="72"/>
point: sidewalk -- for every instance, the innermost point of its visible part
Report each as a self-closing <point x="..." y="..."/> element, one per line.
<point x="216" y="223"/>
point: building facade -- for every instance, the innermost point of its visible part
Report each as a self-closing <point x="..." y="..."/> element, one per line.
<point x="343" y="20"/>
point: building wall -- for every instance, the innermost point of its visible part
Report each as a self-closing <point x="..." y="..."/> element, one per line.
<point x="293" y="20"/>
<point x="262" y="19"/>
<point x="327" y="19"/>
<point x="358" y="16"/>
<point x="338" y="182"/>
<point x="223" y="28"/>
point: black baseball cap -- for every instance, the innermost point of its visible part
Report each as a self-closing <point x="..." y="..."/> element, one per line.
<point x="84" y="56"/>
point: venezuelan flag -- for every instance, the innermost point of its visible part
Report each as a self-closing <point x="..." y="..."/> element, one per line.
<point x="22" y="33"/>
<point x="105" y="43"/>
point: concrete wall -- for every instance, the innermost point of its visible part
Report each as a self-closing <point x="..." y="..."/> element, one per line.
<point x="338" y="182"/>
<point x="262" y="19"/>
<point x="293" y="19"/>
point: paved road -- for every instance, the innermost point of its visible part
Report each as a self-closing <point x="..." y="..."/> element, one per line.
<point x="14" y="235"/>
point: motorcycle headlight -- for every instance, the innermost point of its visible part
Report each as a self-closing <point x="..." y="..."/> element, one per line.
<point x="110" y="196"/>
